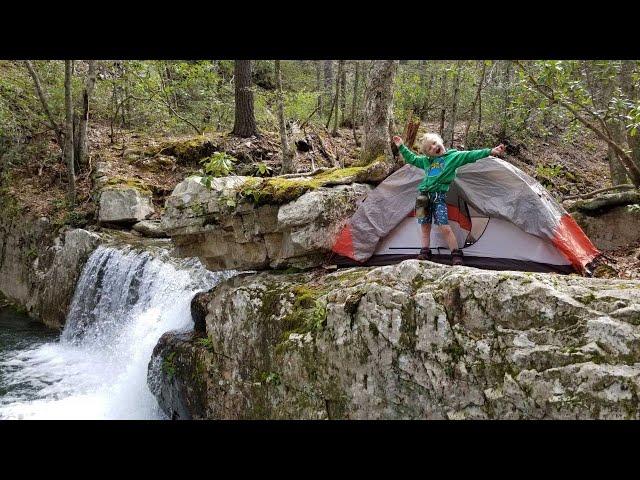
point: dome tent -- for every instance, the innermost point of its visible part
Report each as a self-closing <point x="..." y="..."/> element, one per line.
<point x="503" y="219"/>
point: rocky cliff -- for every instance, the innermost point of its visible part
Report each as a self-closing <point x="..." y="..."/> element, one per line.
<point x="248" y="223"/>
<point x="413" y="340"/>
<point x="39" y="266"/>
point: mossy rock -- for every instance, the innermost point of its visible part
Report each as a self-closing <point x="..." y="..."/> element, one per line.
<point x="120" y="182"/>
<point x="189" y="151"/>
<point x="279" y="190"/>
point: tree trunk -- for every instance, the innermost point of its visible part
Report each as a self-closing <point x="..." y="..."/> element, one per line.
<point x="89" y="84"/>
<point x="336" y="99"/>
<point x="245" y="122"/>
<point x="378" y="112"/>
<point x="631" y="91"/>
<point x="454" y="106"/>
<point x="473" y="105"/>
<point x="427" y="85"/>
<point x="343" y="89"/>
<point x="328" y="82"/>
<point x="68" y="140"/>
<point x="354" y="119"/>
<point x="505" y="108"/>
<point x="616" y="168"/>
<point x="443" y="96"/>
<point x="287" y="166"/>
<point x="319" y="87"/>
<point x="45" y="104"/>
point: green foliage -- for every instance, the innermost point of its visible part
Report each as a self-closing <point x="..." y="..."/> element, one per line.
<point x="261" y="169"/>
<point x="206" y="343"/>
<point x="549" y="171"/>
<point x="219" y="164"/>
<point x="168" y="365"/>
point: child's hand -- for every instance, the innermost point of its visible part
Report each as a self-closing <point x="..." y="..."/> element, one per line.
<point x="397" y="140"/>
<point x="497" y="151"/>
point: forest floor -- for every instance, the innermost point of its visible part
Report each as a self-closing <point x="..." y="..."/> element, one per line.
<point x="565" y="166"/>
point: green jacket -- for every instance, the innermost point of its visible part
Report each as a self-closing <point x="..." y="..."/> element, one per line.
<point x="440" y="171"/>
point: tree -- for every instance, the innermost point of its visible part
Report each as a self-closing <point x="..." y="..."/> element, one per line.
<point x="590" y="119"/>
<point x="631" y="90"/>
<point x="45" y="104"/>
<point x="378" y="111"/>
<point x="454" y="106"/>
<point x="245" y="122"/>
<point x="81" y="151"/>
<point x="336" y="98"/>
<point x="354" y="119"/>
<point x="477" y="100"/>
<point x="68" y="134"/>
<point x="287" y="156"/>
<point x="319" y="87"/>
<point x="328" y="83"/>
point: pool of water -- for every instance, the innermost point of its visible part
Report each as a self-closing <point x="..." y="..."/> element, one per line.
<point x="18" y="333"/>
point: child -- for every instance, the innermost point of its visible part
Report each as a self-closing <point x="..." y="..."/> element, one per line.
<point x="440" y="167"/>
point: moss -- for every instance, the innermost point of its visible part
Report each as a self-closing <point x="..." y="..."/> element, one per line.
<point x="186" y="151"/>
<point x="278" y="190"/>
<point x="373" y="328"/>
<point x="408" y="326"/>
<point x="455" y="350"/>
<point x="120" y="182"/>
<point x="168" y="365"/>
<point x="308" y="313"/>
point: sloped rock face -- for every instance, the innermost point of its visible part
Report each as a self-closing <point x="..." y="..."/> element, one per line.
<point x="617" y="227"/>
<point x="39" y="269"/>
<point x="414" y="340"/>
<point x="124" y="205"/>
<point x="228" y="232"/>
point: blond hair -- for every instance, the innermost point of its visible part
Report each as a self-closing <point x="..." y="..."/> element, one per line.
<point x="431" y="137"/>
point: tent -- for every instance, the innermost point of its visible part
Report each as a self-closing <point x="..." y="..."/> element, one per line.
<point x="503" y="220"/>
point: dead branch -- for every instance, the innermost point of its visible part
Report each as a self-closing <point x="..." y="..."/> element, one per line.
<point x="595" y="192"/>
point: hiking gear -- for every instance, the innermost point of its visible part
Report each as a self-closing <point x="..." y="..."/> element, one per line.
<point x="503" y="219"/>
<point x="456" y="257"/>
<point x="425" y="254"/>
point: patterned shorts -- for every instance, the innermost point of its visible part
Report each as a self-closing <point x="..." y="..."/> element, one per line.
<point x="431" y="207"/>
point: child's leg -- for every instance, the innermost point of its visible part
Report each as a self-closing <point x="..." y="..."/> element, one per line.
<point x="425" y="228"/>
<point x="449" y="236"/>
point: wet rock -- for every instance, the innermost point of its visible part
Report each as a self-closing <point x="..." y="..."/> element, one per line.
<point x="412" y="340"/>
<point x="39" y="267"/>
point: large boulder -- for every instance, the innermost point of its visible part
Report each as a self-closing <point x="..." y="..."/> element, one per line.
<point x="246" y="223"/>
<point x="409" y="341"/>
<point x="124" y="205"/>
<point x="610" y="220"/>
<point x="39" y="266"/>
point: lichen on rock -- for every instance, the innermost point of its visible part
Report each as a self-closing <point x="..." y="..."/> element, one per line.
<point x="415" y="340"/>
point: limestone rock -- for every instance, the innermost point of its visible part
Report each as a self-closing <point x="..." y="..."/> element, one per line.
<point x="39" y="268"/>
<point x="150" y="229"/>
<point x="124" y="205"/>
<point x="614" y="228"/>
<point x="230" y="231"/>
<point x="412" y="340"/>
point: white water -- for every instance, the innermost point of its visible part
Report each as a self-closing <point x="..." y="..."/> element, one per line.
<point x="124" y="302"/>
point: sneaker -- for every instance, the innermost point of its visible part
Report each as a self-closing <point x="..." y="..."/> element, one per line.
<point x="456" y="257"/>
<point x="425" y="254"/>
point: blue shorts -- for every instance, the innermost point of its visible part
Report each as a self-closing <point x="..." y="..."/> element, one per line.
<point x="431" y="207"/>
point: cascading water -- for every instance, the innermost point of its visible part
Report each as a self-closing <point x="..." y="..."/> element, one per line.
<point x="124" y="301"/>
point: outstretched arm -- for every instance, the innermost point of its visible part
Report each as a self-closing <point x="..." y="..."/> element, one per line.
<point x="408" y="155"/>
<point x="470" y="156"/>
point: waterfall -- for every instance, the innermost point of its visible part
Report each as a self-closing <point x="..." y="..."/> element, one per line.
<point x="124" y="301"/>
